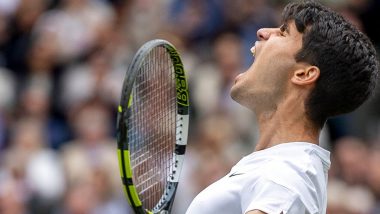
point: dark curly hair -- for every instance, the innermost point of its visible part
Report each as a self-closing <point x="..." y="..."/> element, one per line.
<point x="345" y="56"/>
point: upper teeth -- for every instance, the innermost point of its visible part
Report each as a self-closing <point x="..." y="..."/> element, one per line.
<point x="253" y="50"/>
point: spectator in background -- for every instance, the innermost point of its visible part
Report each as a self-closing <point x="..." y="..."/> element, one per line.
<point x="76" y="26"/>
<point x="7" y="101"/>
<point x="90" y="161"/>
<point x="93" y="196"/>
<point x="351" y="154"/>
<point x="12" y="199"/>
<point x="97" y="77"/>
<point x="20" y="33"/>
<point x="212" y="78"/>
<point x="35" y="168"/>
<point x="3" y="37"/>
<point x="370" y="17"/>
<point x="374" y="176"/>
<point x="211" y="83"/>
<point x="246" y="17"/>
<point x="145" y="19"/>
<point x="8" y="7"/>
<point x="348" y="191"/>
<point x="197" y="20"/>
<point x="37" y="87"/>
<point x="35" y="102"/>
<point x="79" y="198"/>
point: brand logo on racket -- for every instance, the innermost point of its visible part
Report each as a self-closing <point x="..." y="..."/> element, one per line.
<point x="181" y="83"/>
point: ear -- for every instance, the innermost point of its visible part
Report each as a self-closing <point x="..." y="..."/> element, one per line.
<point x="306" y="75"/>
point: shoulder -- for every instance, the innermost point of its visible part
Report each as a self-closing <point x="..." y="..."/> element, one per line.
<point x="297" y="161"/>
<point x="300" y="176"/>
<point x="270" y="197"/>
<point x="293" y="178"/>
<point x="290" y="182"/>
<point x="284" y="167"/>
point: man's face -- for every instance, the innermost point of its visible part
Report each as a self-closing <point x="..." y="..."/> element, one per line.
<point x="264" y="84"/>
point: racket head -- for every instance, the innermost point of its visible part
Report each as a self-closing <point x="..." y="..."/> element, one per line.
<point x="152" y="127"/>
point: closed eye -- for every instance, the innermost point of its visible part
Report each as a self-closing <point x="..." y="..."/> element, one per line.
<point x="284" y="29"/>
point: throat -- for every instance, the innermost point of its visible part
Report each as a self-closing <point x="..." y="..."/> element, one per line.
<point x="278" y="128"/>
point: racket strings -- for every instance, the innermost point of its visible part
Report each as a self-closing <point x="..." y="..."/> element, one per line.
<point x="152" y="128"/>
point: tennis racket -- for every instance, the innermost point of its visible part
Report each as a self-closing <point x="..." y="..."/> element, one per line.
<point x="152" y="127"/>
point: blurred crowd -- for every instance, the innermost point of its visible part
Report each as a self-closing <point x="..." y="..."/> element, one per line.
<point x="62" y="63"/>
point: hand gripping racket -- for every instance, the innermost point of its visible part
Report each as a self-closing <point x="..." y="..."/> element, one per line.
<point x="152" y="127"/>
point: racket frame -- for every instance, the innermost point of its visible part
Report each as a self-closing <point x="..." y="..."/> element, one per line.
<point x="182" y="121"/>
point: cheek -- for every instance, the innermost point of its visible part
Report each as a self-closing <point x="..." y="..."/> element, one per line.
<point x="275" y="65"/>
<point x="280" y="49"/>
<point x="271" y="78"/>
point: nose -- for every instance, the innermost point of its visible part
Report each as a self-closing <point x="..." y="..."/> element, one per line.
<point x="265" y="33"/>
<point x="262" y="34"/>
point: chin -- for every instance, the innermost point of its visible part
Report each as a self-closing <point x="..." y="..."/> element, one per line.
<point x="236" y="94"/>
<point x="242" y="96"/>
<point x="233" y="92"/>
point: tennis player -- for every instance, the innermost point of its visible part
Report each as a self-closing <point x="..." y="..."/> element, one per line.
<point x="315" y="66"/>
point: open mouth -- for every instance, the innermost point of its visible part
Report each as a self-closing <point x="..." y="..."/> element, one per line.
<point x="253" y="51"/>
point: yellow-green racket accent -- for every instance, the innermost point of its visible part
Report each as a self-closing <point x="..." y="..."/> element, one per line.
<point x="131" y="188"/>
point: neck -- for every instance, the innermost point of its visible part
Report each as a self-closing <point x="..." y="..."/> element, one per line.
<point x="285" y="123"/>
